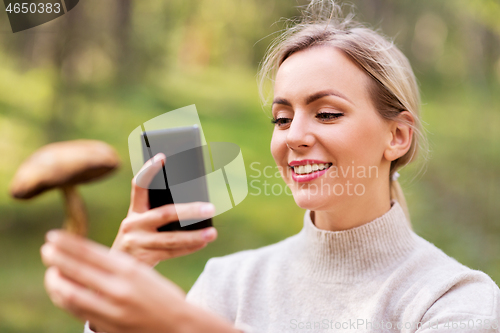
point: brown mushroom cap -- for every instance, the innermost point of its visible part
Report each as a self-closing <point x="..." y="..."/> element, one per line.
<point x="63" y="164"/>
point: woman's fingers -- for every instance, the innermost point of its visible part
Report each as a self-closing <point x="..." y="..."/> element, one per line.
<point x="138" y="234"/>
<point x="83" y="303"/>
<point x="157" y="217"/>
<point x="180" y="252"/>
<point x="113" y="291"/>
<point x="177" y="239"/>
<point x="87" y="252"/>
<point x="153" y="247"/>
<point x="153" y="256"/>
<point x="80" y="301"/>
<point x="139" y="201"/>
<point x="78" y="270"/>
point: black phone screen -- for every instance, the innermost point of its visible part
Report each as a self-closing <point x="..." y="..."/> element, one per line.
<point x="184" y="162"/>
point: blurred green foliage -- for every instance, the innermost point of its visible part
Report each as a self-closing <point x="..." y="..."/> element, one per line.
<point x="108" y="66"/>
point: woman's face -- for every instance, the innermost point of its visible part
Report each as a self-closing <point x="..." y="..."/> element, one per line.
<point x="328" y="140"/>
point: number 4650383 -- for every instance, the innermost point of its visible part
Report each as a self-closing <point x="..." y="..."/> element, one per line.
<point x="41" y="8"/>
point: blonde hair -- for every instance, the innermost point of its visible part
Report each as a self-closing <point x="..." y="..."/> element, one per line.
<point x="393" y="86"/>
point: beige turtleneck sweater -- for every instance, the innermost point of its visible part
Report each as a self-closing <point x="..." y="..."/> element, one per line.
<point x="380" y="276"/>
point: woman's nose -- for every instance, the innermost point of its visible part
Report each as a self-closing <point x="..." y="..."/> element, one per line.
<point x="299" y="134"/>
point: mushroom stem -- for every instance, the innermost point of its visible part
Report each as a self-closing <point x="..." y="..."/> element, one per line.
<point x="76" y="216"/>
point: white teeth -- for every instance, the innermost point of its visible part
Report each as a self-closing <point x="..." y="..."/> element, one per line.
<point x="308" y="168"/>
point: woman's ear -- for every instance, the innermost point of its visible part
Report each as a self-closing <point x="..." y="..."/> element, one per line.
<point x="401" y="134"/>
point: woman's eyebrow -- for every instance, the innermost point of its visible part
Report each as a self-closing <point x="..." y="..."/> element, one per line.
<point x="324" y="93"/>
<point x="281" y="101"/>
<point x="314" y="97"/>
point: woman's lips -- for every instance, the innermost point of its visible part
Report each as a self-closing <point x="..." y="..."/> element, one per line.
<point x="307" y="177"/>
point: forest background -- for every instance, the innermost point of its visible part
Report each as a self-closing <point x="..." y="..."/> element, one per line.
<point x="106" y="67"/>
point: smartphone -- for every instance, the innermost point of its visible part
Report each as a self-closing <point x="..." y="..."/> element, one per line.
<point x="184" y="165"/>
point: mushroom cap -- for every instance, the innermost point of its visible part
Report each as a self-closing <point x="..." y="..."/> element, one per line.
<point x="63" y="164"/>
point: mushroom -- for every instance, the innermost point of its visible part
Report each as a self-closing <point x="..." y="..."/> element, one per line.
<point x="64" y="165"/>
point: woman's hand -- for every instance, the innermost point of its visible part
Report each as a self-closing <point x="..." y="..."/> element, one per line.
<point x="138" y="233"/>
<point x="116" y="292"/>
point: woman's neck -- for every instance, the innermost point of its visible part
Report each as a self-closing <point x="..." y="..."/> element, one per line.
<point x="352" y="213"/>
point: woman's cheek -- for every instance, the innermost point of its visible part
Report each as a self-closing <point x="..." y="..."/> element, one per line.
<point x="278" y="147"/>
<point x="357" y="140"/>
<point x="371" y="142"/>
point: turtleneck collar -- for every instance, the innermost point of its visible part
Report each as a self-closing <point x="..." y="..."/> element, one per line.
<point x="354" y="254"/>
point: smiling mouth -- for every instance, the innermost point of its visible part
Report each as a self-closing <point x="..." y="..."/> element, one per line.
<point x="310" y="168"/>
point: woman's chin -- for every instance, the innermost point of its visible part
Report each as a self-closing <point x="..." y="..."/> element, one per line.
<point x="311" y="201"/>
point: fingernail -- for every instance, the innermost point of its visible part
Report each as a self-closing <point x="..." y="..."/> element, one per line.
<point x="47" y="250"/>
<point x="158" y="157"/>
<point x="51" y="236"/>
<point x="208" y="234"/>
<point x="207" y="209"/>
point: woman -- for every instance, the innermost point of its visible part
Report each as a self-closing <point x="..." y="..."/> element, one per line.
<point x="346" y="114"/>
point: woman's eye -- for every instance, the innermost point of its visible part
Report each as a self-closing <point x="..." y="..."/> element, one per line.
<point x="281" y="121"/>
<point x="328" y="115"/>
